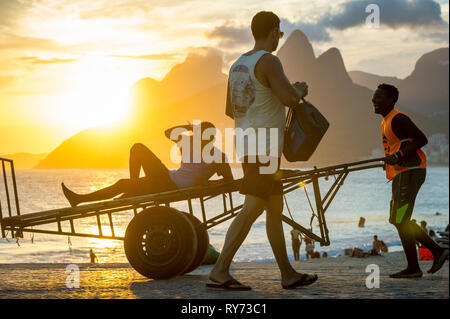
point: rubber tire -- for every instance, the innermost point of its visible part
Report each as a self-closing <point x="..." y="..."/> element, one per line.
<point x="175" y="238"/>
<point x="202" y="243"/>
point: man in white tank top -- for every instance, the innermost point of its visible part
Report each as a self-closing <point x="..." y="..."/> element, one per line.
<point x="258" y="91"/>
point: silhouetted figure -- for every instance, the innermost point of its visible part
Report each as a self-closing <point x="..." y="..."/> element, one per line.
<point x="362" y="220"/>
<point x="405" y="166"/>
<point x="423" y="224"/>
<point x="432" y="234"/>
<point x="309" y="247"/>
<point x="253" y="101"/>
<point x="296" y="243"/>
<point x="157" y="177"/>
<point x="376" y="246"/>
<point x="92" y="256"/>
<point x="359" y="253"/>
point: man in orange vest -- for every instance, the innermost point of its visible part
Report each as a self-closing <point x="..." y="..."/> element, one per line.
<point x="406" y="168"/>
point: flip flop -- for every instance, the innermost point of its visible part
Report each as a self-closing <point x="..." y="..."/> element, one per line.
<point x="304" y="280"/>
<point x="231" y="284"/>
<point x="439" y="262"/>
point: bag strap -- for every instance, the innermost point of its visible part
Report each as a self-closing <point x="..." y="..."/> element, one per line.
<point x="288" y="120"/>
<point x="289" y="117"/>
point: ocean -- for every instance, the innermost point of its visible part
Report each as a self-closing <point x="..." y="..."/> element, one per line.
<point x="364" y="194"/>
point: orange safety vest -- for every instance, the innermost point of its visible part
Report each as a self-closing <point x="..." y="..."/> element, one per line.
<point x="392" y="144"/>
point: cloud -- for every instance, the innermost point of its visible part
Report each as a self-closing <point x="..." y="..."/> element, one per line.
<point x="13" y="41"/>
<point x="423" y="15"/>
<point x="36" y="60"/>
<point x="6" y="81"/>
<point x="231" y="36"/>
<point x="437" y="37"/>
<point x="159" y="56"/>
<point x="124" y="8"/>
<point x="315" y="32"/>
<point x="203" y="52"/>
<point x="10" y="11"/>
<point x="393" y="14"/>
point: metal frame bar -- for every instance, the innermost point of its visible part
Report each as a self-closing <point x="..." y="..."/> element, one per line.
<point x="5" y="180"/>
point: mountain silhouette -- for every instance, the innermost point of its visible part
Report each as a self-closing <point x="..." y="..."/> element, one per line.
<point x="424" y="92"/>
<point x="196" y="90"/>
<point x="371" y="81"/>
<point x="354" y="128"/>
<point x="24" y="160"/>
<point x="195" y="87"/>
<point x="195" y="74"/>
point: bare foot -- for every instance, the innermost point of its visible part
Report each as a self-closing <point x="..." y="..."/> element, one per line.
<point x="71" y="196"/>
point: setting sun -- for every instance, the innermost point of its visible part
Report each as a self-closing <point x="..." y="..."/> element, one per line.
<point x="100" y="95"/>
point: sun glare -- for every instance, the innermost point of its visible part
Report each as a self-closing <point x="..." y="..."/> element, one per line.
<point x="99" y="95"/>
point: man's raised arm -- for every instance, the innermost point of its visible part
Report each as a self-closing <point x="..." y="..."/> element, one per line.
<point x="287" y="93"/>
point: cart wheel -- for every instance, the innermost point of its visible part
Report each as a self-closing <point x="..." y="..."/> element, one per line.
<point x="160" y="242"/>
<point x="202" y="243"/>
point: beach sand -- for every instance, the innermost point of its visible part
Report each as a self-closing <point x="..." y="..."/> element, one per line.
<point x="341" y="277"/>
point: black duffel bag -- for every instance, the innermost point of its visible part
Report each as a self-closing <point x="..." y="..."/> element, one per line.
<point x="305" y="127"/>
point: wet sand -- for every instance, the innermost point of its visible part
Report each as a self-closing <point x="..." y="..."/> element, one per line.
<point x="341" y="277"/>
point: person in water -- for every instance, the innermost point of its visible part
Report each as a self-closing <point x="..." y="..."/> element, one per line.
<point x="157" y="177"/>
<point x="405" y="166"/>
<point x="92" y="256"/>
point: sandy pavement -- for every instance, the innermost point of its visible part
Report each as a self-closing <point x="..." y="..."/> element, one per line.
<point x="341" y="277"/>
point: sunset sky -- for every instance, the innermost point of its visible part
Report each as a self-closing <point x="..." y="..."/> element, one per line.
<point x="66" y="65"/>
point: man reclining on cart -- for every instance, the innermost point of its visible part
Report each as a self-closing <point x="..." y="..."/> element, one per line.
<point x="157" y="177"/>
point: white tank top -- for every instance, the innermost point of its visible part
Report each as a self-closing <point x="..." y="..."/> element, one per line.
<point x="256" y="108"/>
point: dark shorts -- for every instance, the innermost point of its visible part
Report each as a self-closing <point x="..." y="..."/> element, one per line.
<point x="156" y="182"/>
<point x="405" y="187"/>
<point x="260" y="185"/>
<point x="151" y="184"/>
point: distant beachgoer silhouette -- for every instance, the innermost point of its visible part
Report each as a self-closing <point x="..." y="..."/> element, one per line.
<point x="423" y="224"/>
<point x="315" y="255"/>
<point x="377" y="246"/>
<point x="309" y="247"/>
<point x="432" y="234"/>
<point x="296" y="239"/>
<point x="92" y="256"/>
<point x="157" y="177"/>
<point x="362" y="221"/>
